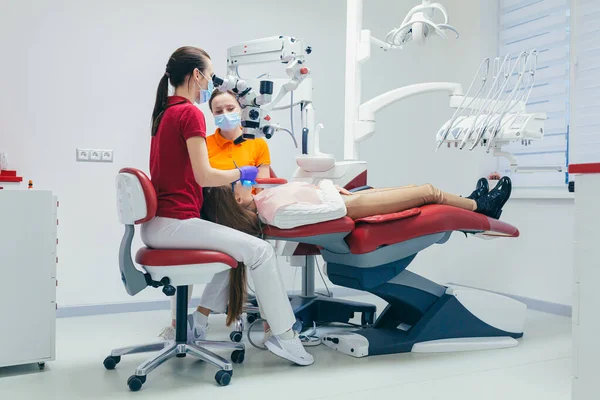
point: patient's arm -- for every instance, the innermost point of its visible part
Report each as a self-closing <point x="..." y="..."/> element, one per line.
<point x="343" y="191"/>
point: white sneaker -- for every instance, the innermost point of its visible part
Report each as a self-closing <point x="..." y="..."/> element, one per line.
<point x="289" y="349"/>
<point x="196" y="331"/>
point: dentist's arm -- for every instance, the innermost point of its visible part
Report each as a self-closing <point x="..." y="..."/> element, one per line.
<point x="205" y="175"/>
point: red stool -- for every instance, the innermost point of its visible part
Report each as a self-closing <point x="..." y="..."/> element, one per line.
<point x="173" y="270"/>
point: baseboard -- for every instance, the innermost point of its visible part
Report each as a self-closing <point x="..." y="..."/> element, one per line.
<point x="133" y="306"/>
<point x="548" y="307"/>
<point x="139" y="306"/>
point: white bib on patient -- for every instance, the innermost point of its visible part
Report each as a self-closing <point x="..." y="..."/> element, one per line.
<point x="291" y="205"/>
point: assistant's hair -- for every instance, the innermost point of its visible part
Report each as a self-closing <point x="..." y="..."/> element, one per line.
<point x="216" y="93"/>
<point x="181" y="64"/>
<point x="221" y="207"/>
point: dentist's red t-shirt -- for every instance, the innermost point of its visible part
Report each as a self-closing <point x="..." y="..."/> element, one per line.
<point x="179" y="196"/>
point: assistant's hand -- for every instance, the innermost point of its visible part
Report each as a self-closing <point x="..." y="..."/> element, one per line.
<point x="248" y="173"/>
<point x="343" y="191"/>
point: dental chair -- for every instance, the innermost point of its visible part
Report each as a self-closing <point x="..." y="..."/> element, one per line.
<point x="372" y="254"/>
<point x="311" y="307"/>
<point x="173" y="270"/>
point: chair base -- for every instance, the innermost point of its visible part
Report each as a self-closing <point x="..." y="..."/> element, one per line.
<point x="169" y="349"/>
<point x="324" y="310"/>
<point x="180" y="347"/>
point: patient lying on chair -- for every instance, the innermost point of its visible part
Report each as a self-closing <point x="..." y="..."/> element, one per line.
<point x="240" y="209"/>
<point x="327" y="201"/>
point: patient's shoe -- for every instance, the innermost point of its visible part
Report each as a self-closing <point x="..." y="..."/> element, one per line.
<point x="481" y="189"/>
<point x="289" y="349"/>
<point x="491" y="204"/>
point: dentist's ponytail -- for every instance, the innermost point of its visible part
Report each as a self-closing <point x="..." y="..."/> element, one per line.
<point x="181" y="64"/>
<point x="160" y="105"/>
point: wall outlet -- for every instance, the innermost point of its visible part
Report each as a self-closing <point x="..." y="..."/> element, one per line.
<point x="83" y="155"/>
<point x="95" y="155"/>
<point x="107" y="155"/>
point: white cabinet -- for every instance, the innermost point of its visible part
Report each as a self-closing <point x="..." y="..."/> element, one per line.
<point x="28" y="242"/>
<point x="586" y="280"/>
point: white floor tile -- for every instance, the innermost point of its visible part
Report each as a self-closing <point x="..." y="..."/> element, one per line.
<point x="538" y="366"/>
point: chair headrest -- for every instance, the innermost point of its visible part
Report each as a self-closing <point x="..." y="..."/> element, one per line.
<point x="136" y="198"/>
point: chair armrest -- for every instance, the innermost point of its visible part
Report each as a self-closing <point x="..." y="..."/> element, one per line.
<point x="263" y="183"/>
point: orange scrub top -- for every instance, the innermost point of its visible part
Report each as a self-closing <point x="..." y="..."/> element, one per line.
<point x="222" y="152"/>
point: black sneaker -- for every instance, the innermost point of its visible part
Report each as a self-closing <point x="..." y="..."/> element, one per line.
<point x="481" y="189"/>
<point x="491" y="204"/>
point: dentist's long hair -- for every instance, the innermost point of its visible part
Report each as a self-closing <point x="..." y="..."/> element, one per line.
<point x="177" y="71"/>
<point x="220" y="207"/>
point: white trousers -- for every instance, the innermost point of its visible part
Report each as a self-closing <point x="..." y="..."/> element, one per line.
<point x="255" y="253"/>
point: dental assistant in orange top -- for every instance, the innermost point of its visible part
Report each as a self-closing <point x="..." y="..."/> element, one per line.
<point x="222" y="152"/>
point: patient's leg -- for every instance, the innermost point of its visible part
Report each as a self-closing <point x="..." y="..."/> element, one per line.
<point x="390" y="200"/>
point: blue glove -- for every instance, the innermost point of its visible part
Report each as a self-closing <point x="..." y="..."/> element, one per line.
<point x="248" y="174"/>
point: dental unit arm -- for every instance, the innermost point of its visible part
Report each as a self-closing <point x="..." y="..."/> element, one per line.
<point x="256" y="106"/>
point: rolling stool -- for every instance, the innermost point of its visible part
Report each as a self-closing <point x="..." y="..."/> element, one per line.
<point x="173" y="270"/>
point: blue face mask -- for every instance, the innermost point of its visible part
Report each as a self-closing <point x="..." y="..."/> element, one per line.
<point x="228" y="122"/>
<point x="206" y="93"/>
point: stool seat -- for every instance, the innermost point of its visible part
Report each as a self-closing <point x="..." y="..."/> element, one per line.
<point x="170" y="258"/>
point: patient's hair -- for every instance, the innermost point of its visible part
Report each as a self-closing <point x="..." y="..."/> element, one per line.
<point x="221" y="207"/>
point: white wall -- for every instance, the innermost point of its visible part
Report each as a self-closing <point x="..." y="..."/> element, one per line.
<point x="84" y="74"/>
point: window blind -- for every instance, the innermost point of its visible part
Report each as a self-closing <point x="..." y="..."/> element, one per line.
<point x="543" y="25"/>
<point x="585" y="126"/>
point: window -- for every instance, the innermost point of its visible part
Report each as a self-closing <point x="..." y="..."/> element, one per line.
<point x="585" y="132"/>
<point x="542" y="25"/>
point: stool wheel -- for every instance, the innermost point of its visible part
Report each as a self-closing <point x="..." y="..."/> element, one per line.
<point x="238" y="356"/>
<point x="251" y="318"/>
<point x="41" y="365"/>
<point x="135" y="382"/>
<point x="223" y="378"/>
<point x="236" y="336"/>
<point x="169" y="290"/>
<point x="111" y="362"/>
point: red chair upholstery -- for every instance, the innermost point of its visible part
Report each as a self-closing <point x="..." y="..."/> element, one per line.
<point x="377" y="231"/>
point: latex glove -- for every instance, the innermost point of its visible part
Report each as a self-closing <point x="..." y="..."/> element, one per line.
<point x="343" y="191"/>
<point x="248" y="173"/>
